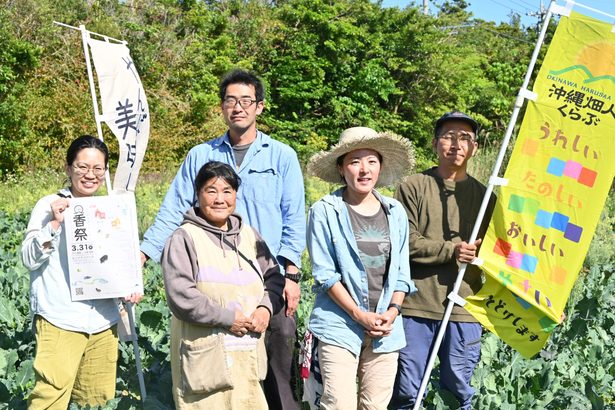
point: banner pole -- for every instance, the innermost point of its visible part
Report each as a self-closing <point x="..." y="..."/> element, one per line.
<point x="84" y="37"/>
<point x="135" y="346"/>
<point x="523" y="93"/>
<point x="86" y="52"/>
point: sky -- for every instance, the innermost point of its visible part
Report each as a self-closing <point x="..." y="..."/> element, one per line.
<point x="500" y="10"/>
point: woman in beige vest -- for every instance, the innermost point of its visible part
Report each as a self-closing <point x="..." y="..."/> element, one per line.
<point x="222" y="285"/>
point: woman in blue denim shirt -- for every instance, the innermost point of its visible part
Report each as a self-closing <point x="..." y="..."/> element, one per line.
<point x="358" y="244"/>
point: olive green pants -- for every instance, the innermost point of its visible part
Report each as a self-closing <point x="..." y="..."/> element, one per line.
<point x="72" y="366"/>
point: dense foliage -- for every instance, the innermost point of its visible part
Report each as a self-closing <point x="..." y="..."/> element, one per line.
<point x="576" y="370"/>
<point x="327" y="65"/>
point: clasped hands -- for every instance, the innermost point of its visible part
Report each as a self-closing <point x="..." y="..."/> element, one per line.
<point x="376" y="324"/>
<point x="257" y="322"/>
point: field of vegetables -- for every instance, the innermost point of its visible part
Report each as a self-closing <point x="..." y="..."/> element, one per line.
<point x="576" y="370"/>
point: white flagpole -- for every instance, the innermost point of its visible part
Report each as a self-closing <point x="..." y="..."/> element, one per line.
<point x="84" y="38"/>
<point x="133" y="330"/>
<point x="85" y="35"/>
<point x="453" y="296"/>
<point x="592" y="9"/>
<point x="135" y="346"/>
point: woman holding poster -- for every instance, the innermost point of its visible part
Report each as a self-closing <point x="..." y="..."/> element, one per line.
<point x="76" y="341"/>
<point x="223" y="285"/>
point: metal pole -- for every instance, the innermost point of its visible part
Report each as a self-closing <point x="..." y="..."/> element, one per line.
<point x="135" y="346"/>
<point x="129" y="306"/>
<point x="592" y="9"/>
<point x="483" y="208"/>
<point x="90" y="33"/>
<point x="84" y="37"/>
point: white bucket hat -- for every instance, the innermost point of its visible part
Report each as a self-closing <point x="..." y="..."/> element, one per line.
<point x="397" y="155"/>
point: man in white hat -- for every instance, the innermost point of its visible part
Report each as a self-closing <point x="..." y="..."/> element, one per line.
<point x="271" y="199"/>
<point x="442" y="204"/>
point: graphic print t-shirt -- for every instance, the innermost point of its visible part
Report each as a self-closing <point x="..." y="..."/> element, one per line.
<point x="372" y="236"/>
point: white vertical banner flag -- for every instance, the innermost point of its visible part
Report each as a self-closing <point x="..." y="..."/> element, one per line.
<point x="124" y="107"/>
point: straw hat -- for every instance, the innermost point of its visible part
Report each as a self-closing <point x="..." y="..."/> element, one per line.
<point x="397" y="155"/>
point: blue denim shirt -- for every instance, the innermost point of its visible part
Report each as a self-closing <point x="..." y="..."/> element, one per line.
<point x="270" y="198"/>
<point x="335" y="258"/>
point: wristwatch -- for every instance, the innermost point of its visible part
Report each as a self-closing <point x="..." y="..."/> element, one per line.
<point x="396" y="306"/>
<point x="295" y="277"/>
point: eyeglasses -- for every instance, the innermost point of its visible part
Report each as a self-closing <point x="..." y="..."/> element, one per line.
<point x="231" y="102"/>
<point x="460" y="137"/>
<point x="82" y="170"/>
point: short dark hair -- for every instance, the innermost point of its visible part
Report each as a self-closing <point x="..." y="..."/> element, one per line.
<point x="217" y="169"/>
<point x="83" y="142"/>
<point x="239" y="76"/>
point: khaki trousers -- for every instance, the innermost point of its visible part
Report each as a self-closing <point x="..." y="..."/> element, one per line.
<point x="340" y="369"/>
<point x="72" y="365"/>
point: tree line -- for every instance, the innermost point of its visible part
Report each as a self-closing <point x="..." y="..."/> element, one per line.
<point x="327" y="65"/>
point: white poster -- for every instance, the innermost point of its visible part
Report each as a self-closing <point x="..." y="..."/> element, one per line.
<point x="124" y="107"/>
<point x="103" y="247"/>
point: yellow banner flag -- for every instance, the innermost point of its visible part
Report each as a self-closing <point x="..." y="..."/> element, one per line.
<point x="559" y="176"/>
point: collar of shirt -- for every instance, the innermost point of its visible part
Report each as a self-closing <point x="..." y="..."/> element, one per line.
<point x="337" y="201"/>
<point x="260" y="141"/>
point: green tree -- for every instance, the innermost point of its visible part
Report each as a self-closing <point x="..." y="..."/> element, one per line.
<point x="18" y="59"/>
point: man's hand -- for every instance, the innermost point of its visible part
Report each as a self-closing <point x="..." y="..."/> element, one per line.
<point x="241" y="325"/>
<point x="144" y="259"/>
<point x="292" y="294"/>
<point x="260" y="320"/>
<point x="133" y="298"/>
<point x="466" y="252"/>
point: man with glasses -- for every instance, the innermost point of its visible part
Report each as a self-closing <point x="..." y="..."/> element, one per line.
<point x="442" y="204"/>
<point x="270" y="198"/>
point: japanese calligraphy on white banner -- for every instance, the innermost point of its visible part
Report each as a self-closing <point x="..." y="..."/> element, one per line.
<point x="103" y="247"/>
<point x="124" y="107"/>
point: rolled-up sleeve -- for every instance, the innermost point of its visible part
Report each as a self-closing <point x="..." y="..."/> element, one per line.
<point x="292" y="206"/>
<point x="321" y="248"/>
